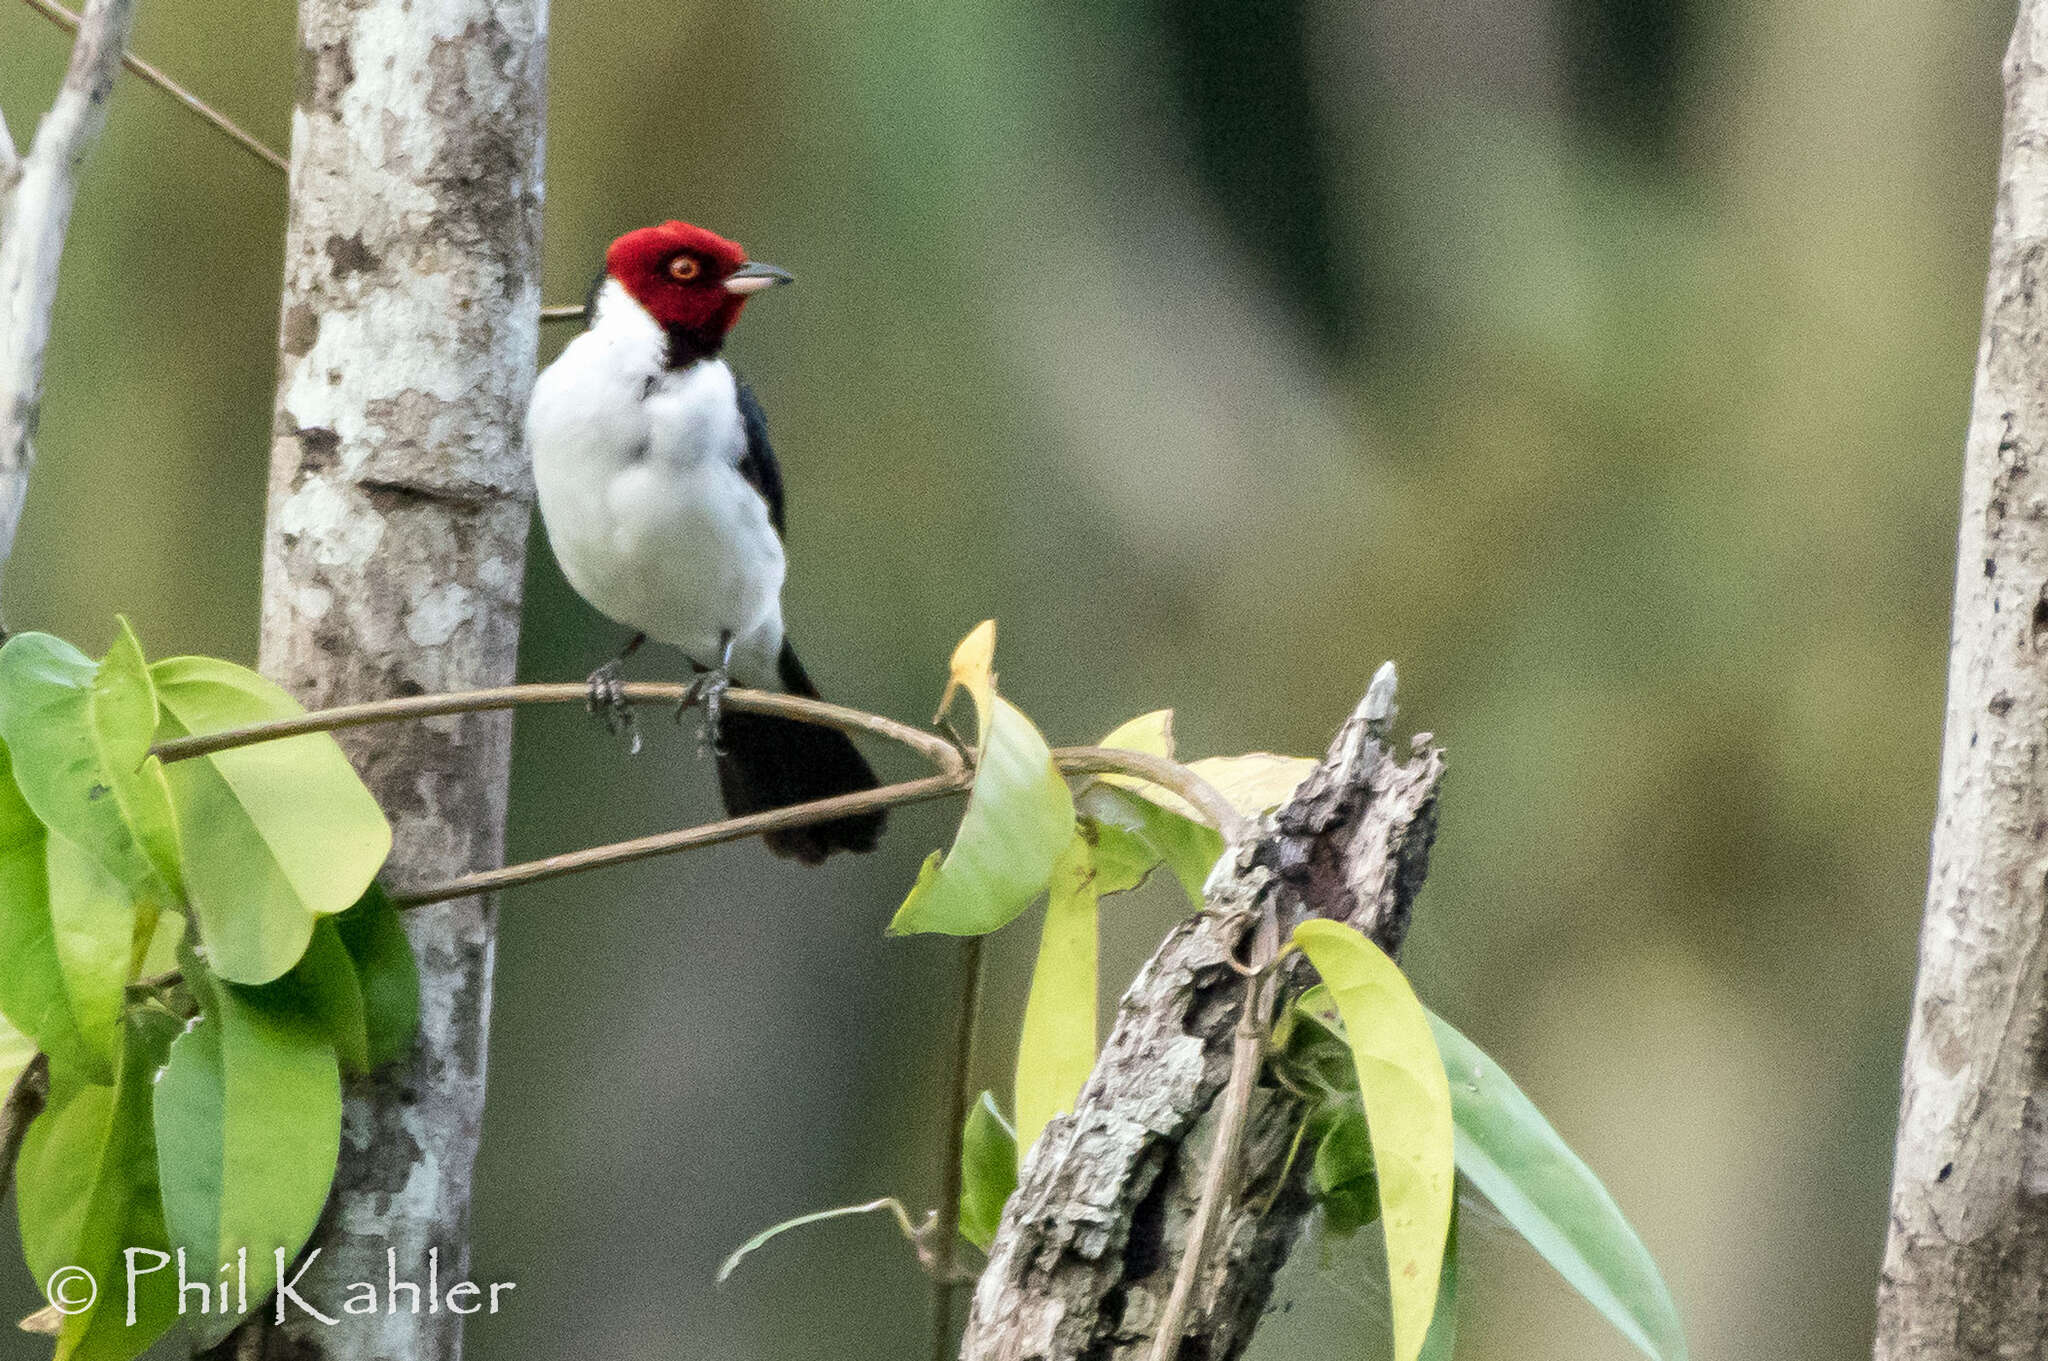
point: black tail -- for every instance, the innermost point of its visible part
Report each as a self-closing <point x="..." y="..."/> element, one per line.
<point x="772" y="762"/>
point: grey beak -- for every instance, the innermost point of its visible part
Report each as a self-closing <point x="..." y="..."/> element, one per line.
<point x="754" y="277"/>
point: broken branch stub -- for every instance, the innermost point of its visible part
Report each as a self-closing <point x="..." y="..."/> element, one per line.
<point x="1090" y="1244"/>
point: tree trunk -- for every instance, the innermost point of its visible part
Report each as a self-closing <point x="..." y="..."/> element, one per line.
<point x="1090" y="1244"/>
<point x="1966" y="1266"/>
<point x="393" y="559"/>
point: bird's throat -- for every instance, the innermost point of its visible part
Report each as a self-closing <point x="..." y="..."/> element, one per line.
<point x="689" y="344"/>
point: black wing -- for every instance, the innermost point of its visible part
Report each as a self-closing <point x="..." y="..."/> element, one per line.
<point x="758" y="464"/>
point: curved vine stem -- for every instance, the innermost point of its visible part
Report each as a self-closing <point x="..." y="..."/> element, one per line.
<point x="955" y="774"/>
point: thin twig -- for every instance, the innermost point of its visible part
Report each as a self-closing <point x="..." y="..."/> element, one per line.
<point x="24" y="1103"/>
<point x="1247" y="1047"/>
<point x="688" y="838"/>
<point x="946" y="1248"/>
<point x="1218" y="811"/>
<point x="929" y="745"/>
<point x="68" y="21"/>
<point x="572" y="311"/>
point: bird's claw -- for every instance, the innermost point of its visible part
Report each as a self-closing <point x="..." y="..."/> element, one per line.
<point x="708" y="690"/>
<point x="608" y="701"/>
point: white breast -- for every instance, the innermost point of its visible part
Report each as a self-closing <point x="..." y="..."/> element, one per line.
<point x="637" y="472"/>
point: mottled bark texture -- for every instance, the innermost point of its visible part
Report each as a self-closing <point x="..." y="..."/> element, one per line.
<point x="36" y="194"/>
<point x="1089" y="1245"/>
<point x="1966" y="1265"/>
<point x="399" y="500"/>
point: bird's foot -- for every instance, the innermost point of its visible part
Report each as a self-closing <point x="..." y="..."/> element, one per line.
<point x="608" y="701"/>
<point x="708" y="689"/>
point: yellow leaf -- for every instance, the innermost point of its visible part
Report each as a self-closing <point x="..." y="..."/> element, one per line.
<point x="973" y="667"/>
<point x="1407" y="1111"/>
<point x="1020" y="816"/>
<point x="1057" y="1049"/>
<point x="1257" y="782"/>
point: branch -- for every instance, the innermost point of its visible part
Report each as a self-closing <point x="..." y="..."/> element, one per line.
<point x="1093" y="1243"/>
<point x="934" y="748"/>
<point x="686" y="839"/>
<point x="33" y="219"/>
<point x="946" y="1218"/>
<point x="68" y="21"/>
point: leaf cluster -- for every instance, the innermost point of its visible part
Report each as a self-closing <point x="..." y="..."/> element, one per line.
<point x="203" y="953"/>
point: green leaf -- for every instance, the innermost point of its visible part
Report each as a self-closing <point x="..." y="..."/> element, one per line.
<point x="1442" y="1341"/>
<point x="1018" y="820"/>
<point x="1057" y="1048"/>
<point x="1342" y="1174"/>
<point x="92" y="924"/>
<point x="889" y="1203"/>
<point x="65" y="1017"/>
<point x="79" y="733"/>
<point x="1510" y="1152"/>
<point x="87" y="1191"/>
<point x="1132" y="835"/>
<point x="1407" y="1110"/>
<point x="324" y="988"/>
<point x="390" y="979"/>
<point x="988" y="1171"/>
<point x="248" y="1128"/>
<point x="275" y="834"/>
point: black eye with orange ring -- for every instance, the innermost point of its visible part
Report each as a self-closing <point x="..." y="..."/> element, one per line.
<point x="684" y="268"/>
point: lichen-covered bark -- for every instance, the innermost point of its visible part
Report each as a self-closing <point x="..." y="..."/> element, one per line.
<point x="36" y="194"/>
<point x="1966" y="1265"/>
<point x="1089" y="1245"/>
<point x="399" y="499"/>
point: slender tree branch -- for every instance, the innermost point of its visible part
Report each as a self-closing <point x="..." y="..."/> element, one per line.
<point x="1216" y="810"/>
<point x="34" y="216"/>
<point x="946" y="1235"/>
<point x="68" y="21"/>
<point x="934" y="748"/>
<point x="688" y="838"/>
<point x="572" y="311"/>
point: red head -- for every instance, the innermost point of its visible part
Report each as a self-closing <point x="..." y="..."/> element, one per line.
<point x="690" y="280"/>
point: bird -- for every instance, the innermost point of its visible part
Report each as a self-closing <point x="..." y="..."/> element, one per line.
<point x="663" y="502"/>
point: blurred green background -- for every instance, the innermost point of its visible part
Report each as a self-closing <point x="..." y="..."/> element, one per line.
<point x="1604" y="362"/>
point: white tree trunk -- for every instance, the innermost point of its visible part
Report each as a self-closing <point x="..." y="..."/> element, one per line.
<point x="393" y="560"/>
<point x="1968" y="1251"/>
